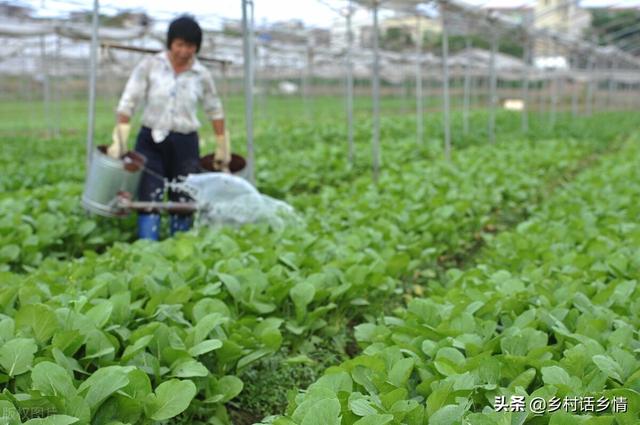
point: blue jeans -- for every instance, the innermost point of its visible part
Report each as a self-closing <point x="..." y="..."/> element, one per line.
<point x="177" y="156"/>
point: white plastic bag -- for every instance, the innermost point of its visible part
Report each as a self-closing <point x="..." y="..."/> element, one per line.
<point x="229" y="200"/>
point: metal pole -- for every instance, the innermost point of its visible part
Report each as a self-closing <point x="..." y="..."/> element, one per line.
<point x="93" y="74"/>
<point x="467" y="88"/>
<point x="349" y="65"/>
<point x="445" y="85"/>
<point x="628" y="89"/>
<point x="590" y="73"/>
<point x="553" y="88"/>
<point x="308" y="77"/>
<point x="574" y="86"/>
<point x="25" y="88"/>
<point x="600" y="99"/>
<point x="261" y="63"/>
<point x="553" y="98"/>
<point x="248" y="52"/>
<point x="560" y="97"/>
<point x="613" y="84"/>
<point x="58" y="76"/>
<point x="610" y="85"/>
<point x="542" y="110"/>
<point x="376" y="95"/>
<point x="46" y="87"/>
<point x="493" y="95"/>
<point x="419" y="95"/>
<point x="525" y="83"/>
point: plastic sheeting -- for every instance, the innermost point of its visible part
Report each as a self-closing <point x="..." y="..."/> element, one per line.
<point x="225" y="199"/>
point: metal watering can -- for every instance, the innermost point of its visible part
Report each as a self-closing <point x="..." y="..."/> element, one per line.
<point x="107" y="177"/>
<point x="112" y="184"/>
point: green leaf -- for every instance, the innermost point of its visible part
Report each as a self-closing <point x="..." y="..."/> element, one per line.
<point x="131" y="350"/>
<point x="98" y="345"/>
<point x="86" y="227"/>
<point x="9" y="414"/>
<point x="447" y="415"/>
<point x="369" y="332"/>
<point x="449" y="361"/>
<point x="53" y="420"/>
<point x="374" y="420"/>
<point x="40" y="318"/>
<point x="139" y="386"/>
<point x="252" y="357"/>
<point x="524" y="379"/>
<point x="335" y="382"/>
<point x="7" y="329"/>
<point x="401" y="371"/>
<point x="206" y="325"/>
<point x="205" y="347"/>
<point x="302" y="294"/>
<point x="9" y="253"/>
<point x="68" y="342"/>
<point x="52" y="380"/>
<point x="520" y="342"/>
<point x="76" y="407"/>
<point x="16" y="355"/>
<point x="189" y="369"/>
<point x="229" y="386"/>
<point x="233" y="285"/>
<point x="207" y="306"/>
<point x="361" y="406"/>
<point x="104" y="382"/>
<point x="439" y="397"/>
<point x="100" y="314"/>
<point x="170" y="399"/>
<point x="609" y="366"/>
<point x="555" y="375"/>
<point x="323" y="412"/>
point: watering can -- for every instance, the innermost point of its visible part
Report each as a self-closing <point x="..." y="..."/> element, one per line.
<point x="107" y="177"/>
<point x="112" y="184"/>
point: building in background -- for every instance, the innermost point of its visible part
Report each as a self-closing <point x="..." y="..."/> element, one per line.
<point x="14" y="11"/>
<point x="561" y="16"/>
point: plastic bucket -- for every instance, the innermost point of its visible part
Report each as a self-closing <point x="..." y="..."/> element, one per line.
<point x="108" y="176"/>
<point x="237" y="165"/>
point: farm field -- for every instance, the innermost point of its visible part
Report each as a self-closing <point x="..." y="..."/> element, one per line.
<point x="509" y="271"/>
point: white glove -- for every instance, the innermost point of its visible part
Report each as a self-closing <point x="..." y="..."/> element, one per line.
<point x="119" y="139"/>
<point x="222" y="156"/>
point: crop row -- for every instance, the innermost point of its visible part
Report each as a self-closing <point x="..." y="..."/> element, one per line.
<point x="48" y="220"/>
<point x="318" y="148"/>
<point x="549" y="313"/>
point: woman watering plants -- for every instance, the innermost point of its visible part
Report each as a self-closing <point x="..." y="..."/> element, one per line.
<point x="170" y="84"/>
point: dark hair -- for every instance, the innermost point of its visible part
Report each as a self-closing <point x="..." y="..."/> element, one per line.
<point x="186" y="28"/>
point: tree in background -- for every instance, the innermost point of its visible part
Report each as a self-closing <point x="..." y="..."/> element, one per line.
<point x="396" y="38"/>
<point x="623" y="25"/>
<point x="509" y="44"/>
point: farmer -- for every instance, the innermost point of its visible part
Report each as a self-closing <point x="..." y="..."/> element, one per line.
<point x="170" y="84"/>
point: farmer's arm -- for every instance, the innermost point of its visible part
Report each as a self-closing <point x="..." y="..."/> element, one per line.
<point x="131" y="97"/>
<point x="133" y="92"/>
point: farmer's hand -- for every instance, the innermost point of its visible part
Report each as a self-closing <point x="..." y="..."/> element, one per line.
<point x="119" y="138"/>
<point x="222" y="157"/>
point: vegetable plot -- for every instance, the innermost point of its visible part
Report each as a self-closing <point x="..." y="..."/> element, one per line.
<point x="550" y="313"/>
<point x="146" y="332"/>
